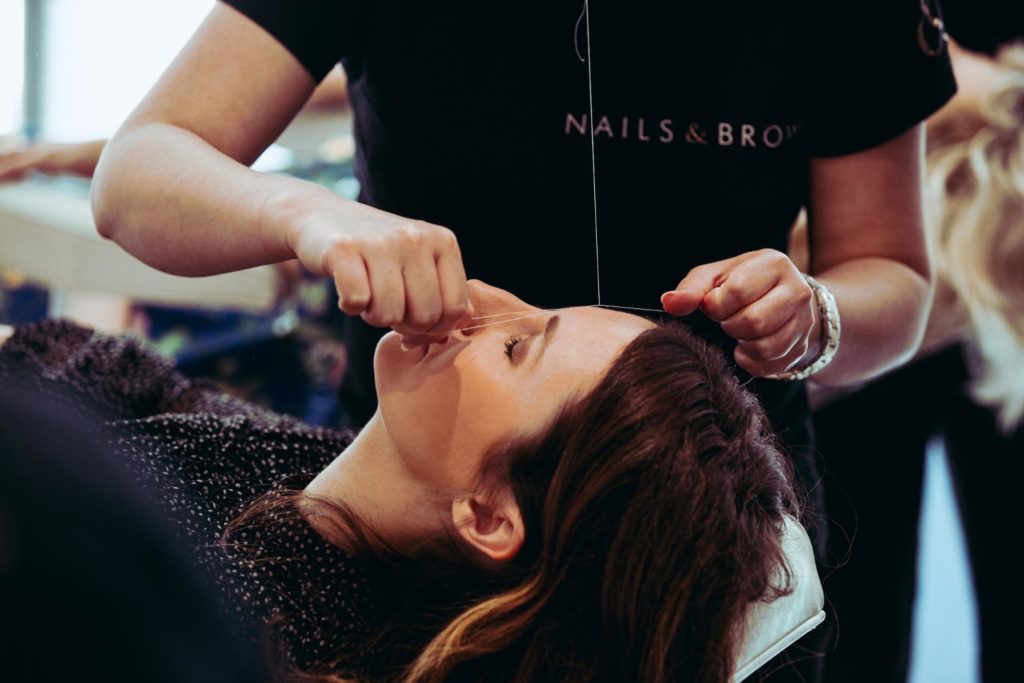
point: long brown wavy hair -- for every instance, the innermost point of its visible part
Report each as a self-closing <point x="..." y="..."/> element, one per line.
<point x="654" y="509"/>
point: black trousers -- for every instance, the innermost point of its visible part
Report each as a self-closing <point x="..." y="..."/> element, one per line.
<point x="873" y="446"/>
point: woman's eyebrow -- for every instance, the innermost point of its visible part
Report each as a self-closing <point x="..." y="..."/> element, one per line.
<point x="549" y="332"/>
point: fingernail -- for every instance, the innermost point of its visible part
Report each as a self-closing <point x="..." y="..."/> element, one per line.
<point x="665" y="296"/>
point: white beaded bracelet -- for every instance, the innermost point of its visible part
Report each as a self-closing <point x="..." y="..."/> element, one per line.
<point x="828" y="311"/>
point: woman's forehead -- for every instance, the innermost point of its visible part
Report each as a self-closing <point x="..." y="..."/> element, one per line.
<point x="597" y="315"/>
<point x="587" y="341"/>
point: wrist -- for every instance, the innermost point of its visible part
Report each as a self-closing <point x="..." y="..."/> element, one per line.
<point x="815" y="343"/>
<point x="824" y="341"/>
<point x="287" y="212"/>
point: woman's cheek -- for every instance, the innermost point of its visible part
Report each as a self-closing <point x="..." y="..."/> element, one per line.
<point x="423" y="424"/>
<point x="488" y="414"/>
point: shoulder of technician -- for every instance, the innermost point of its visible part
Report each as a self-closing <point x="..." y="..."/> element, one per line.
<point x="319" y="33"/>
<point x="876" y="69"/>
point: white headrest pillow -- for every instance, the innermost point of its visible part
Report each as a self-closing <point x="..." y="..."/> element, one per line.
<point x="774" y="626"/>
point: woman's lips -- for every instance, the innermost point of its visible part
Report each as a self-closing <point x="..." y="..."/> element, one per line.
<point x="421" y="349"/>
<point x="447" y="347"/>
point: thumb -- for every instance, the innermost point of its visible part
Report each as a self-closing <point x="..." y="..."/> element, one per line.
<point x="691" y="290"/>
<point x="699" y="282"/>
<point x="682" y="301"/>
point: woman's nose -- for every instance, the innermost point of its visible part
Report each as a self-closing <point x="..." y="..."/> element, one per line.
<point x="492" y="306"/>
<point x="492" y="301"/>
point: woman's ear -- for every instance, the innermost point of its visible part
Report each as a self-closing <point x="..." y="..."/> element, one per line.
<point x="491" y="523"/>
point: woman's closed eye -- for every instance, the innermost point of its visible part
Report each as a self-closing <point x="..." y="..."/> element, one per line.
<point x="510" y="346"/>
<point x="518" y="345"/>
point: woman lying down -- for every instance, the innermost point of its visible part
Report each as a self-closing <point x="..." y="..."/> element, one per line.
<point x="576" y="495"/>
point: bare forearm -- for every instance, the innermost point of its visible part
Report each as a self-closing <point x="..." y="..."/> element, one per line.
<point x="78" y="158"/>
<point x="883" y="306"/>
<point x="176" y="203"/>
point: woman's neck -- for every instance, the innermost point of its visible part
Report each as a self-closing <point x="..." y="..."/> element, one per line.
<point x="370" y="478"/>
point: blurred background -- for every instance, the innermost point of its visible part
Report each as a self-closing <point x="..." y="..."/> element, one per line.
<point x="70" y="72"/>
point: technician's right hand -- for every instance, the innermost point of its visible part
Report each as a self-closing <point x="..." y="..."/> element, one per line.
<point x="391" y="271"/>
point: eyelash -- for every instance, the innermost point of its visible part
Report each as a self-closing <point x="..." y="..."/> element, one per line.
<point x="511" y="344"/>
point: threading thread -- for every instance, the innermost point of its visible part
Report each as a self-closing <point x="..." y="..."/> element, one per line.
<point x="593" y="151"/>
<point x="632" y="308"/>
<point x="513" y="316"/>
<point x="507" y="320"/>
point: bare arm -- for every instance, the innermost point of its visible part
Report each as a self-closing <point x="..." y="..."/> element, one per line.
<point x="80" y="158"/>
<point x="332" y="93"/>
<point x="76" y="158"/>
<point x="173" y="188"/>
<point x="5" y="333"/>
<point x="867" y="244"/>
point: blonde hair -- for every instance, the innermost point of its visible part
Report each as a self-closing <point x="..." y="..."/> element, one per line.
<point x="976" y="182"/>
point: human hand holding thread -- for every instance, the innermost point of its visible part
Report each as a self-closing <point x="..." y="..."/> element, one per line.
<point x="760" y="299"/>
<point x="391" y="271"/>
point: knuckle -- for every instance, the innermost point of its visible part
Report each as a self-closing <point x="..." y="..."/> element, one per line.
<point x="753" y="321"/>
<point x="337" y="252"/>
<point x="804" y="295"/>
<point x="737" y="283"/>
<point x="413" y="325"/>
<point x="446" y="237"/>
<point x="776" y="259"/>
<point x="695" y="271"/>
<point x="442" y="240"/>
<point x="455" y="312"/>
<point x="351" y="289"/>
<point x="444" y="232"/>
<point x="410" y="235"/>
<point x="353" y="304"/>
<point x="373" y="246"/>
<point x="762" y="350"/>
<point x="385" y="318"/>
<point x="448" y="319"/>
<point x="334" y="250"/>
<point x="356" y="298"/>
<point x="744" y="360"/>
<point x="340" y="243"/>
<point x="350" y="308"/>
<point x="423" y="320"/>
<point x="779" y="348"/>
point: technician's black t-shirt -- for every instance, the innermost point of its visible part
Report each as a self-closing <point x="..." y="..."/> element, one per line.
<point x="475" y="115"/>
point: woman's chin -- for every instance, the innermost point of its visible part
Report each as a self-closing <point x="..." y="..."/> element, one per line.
<point x="391" y="360"/>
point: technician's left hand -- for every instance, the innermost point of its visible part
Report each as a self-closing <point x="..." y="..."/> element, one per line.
<point x="762" y="301"/>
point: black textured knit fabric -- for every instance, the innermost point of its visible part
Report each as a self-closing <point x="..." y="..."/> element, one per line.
<point x="204" y="457"/>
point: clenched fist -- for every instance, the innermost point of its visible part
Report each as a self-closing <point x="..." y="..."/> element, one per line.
<point x="391" y="271"/>
<point x="760" y="299"/>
